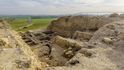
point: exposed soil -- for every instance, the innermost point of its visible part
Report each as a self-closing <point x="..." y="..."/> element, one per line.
<point x="68" y="46"/>
<point x="14" y="52"/>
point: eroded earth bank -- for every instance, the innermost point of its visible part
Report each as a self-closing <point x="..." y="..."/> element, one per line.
<point x="69" y="43"/>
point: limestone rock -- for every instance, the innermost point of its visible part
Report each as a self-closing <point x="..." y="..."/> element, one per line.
<point x="107" y="40"/>
<point x="82" y="35"/>
<point x="66" y="42"/>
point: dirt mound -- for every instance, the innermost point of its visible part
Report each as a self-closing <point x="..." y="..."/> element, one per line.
<point x="66" y="26"/>
<point x="114" y="34"/>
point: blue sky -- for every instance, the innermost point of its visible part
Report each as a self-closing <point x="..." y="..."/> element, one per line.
<point x="57" y="7"/>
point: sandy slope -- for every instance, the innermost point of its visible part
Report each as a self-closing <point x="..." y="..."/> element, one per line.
<point x="15" y="54"/>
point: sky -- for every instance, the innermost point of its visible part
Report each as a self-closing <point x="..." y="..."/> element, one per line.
<point x="58" y="7"/>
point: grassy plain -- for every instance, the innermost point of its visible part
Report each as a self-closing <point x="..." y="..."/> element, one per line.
<point x="41" y="23"/>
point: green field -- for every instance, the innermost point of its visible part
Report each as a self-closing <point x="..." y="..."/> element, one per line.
<point x="42" y="23"/>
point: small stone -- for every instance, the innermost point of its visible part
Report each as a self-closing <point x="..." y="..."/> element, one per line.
<point x="68" y="54"/>
<point x="37" y="69"/>
<point x="2" y="42"/>
<point x="90" y="46"/>
<point x="70" y="48"/>
<point x="22" y="64"/>
<point x="111" y="27"/>
<point x="107" y="40"/>
<point x="74" y="62"/>
<point x="86" y="53"/>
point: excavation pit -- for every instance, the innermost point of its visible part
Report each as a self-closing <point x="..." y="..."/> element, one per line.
<point x="49" y="50"/>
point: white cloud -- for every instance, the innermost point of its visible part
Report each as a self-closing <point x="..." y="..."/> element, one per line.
<point x="116" y="2"/>
<point x="59" y="6"/>
<point x="88" y="1"/>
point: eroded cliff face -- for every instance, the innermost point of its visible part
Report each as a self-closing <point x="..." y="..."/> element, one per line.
<point x="67" y="26"/>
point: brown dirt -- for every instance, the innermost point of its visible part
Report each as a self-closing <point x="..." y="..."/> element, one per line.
<point x="13" y="49"/>
<point x="93" y="44"/>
